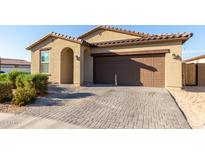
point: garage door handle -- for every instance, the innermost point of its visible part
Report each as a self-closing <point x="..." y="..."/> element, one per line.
<point x="115" y="79"/>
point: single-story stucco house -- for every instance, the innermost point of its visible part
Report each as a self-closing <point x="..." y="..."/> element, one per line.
<point x="9" y="64"/>
<point x="196" y="60"/>
<point x="108" y="55"/>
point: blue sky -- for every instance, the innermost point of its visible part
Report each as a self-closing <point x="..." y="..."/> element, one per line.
<point x="14" y="39"/>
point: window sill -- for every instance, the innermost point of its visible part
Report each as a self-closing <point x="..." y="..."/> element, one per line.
<point x="46" y="74"/>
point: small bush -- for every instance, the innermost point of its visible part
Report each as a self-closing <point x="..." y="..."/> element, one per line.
<point x="5" y="91"/>
<point x="20" y="79"/>
<point x="24" y="96"/>
<point x="4" y="77"/>
<point x="27" y="87"/>
<point x="40" y="82"/>
<point x="12" y="77"/>
<point x="23" y="80"/>
<point x="37" y="81"/>
<point x="28" y="81"/>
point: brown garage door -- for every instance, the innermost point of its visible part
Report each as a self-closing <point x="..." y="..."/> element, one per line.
<point x="132" y="70"/>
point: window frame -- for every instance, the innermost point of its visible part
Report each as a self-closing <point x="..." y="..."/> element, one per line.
<point x="47" y="62"/>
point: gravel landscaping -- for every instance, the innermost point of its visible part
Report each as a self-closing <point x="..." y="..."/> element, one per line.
<point x="191" y="100"/>
<point x="7" y="107"/>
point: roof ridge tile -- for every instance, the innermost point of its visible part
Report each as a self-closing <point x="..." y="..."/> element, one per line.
<point x="145" y="38"/>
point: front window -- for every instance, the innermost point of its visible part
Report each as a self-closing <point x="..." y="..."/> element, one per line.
<point x="44" y="62"/>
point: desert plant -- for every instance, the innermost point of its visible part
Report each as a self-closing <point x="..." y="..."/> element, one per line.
<point x="23" y="80"/>
<point x="28" y="81"/>
<point x="27" y="87"/>
<point x="37" y="81"/>
<point x="12" y="77"/>
<point x="4" y="77"/>
<point x="20" y="79"/>
<point x="5" y="91"/>
<point x="40" y="82"/>
<point x="24" y="96"/>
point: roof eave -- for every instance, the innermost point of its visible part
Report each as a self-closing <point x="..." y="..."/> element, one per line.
<point x="142" y="42"/>
<point x="187" y="38"/>
<point x="37" y="42"/>
<point x="74" y="40"/>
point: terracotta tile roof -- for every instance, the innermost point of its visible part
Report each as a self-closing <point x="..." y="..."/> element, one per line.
<point x="8" y="61"/>
<point x="149" y="39"/>
<point x="194" y="58"/>
<point x="58" y="35"/>
<point x="145" y="38"/>
<point x="115" y="29"/>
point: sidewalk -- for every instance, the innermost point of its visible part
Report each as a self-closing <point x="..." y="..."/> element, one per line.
<point x="13" y="121"/>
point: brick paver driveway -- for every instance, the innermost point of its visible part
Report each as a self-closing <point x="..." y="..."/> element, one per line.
<point x="109" y="107"/>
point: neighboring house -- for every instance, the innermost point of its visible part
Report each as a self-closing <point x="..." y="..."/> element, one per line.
<point x="8" y="65"/>
<point x="198" y="59"/>
<point x="107" y="55"/>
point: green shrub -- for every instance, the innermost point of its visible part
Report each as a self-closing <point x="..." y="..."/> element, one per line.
<point x="12" y="77"/>
<point x="29" y="81"/>
<point x="4" y="77"/>
<point x="5" y="91"/>
<point x="40" y="82"/>
<point x="20" y="79"/>
<point x="23" y="80"/>
<point x="28" y="86"/>
<point x="37" y="81"/>
<point x="24" y="96"/>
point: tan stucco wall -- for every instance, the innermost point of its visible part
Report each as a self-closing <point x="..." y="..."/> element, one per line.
<point x="105" y="35"/>
<point x="55" y="56"/>
<point x="88" y="66"/>
<point x="173" y="67"/>
<point x="35" y="59"/>
<point x="35" y="55"/>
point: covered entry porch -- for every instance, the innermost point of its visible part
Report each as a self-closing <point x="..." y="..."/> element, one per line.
<point x="75" y="66"/>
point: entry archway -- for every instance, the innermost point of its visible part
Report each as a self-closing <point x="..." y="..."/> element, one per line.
<point x="66" y="66"/>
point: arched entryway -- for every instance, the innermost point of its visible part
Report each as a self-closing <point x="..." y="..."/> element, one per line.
<point x="66" y="66"/>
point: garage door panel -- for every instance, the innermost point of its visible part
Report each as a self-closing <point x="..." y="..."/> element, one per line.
<point x="147" y="83"/>
<point x="147" y="72"/>
<point x="127" y="76"/>
<point x="135" y="70"/>
<point x="157" y="83"/>
<point x="104" y="68"/>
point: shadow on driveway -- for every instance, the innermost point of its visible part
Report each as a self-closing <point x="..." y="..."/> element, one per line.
<point x="57" y="94"/>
